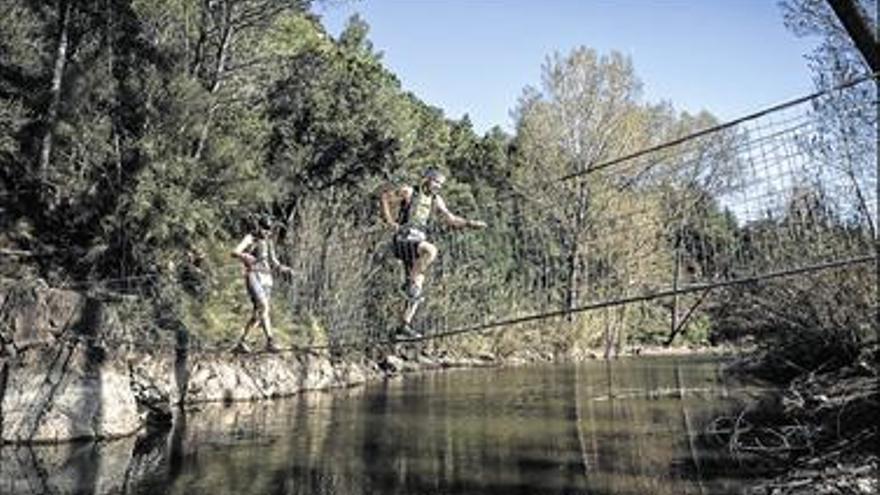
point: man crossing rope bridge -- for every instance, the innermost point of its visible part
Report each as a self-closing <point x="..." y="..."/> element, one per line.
<point x="410" y="243"/>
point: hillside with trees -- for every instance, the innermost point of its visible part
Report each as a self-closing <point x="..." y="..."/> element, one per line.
<point x="141" y="139"/>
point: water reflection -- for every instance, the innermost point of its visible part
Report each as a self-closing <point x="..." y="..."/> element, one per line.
<point x="619" y="427"/>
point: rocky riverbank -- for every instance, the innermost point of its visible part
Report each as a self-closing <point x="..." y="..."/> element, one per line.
<point x="71" y="369"/>
<point x="819" y="434"/>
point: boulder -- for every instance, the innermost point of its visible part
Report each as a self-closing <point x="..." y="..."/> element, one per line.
<point x="64" y="383"/>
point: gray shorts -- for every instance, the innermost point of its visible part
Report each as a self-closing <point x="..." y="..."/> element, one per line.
<point x="259" y="287"/>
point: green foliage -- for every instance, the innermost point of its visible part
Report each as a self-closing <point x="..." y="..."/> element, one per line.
<point x="335" y="118"/>
<point x="588" y="112"/>
<point x="139" y="137"/>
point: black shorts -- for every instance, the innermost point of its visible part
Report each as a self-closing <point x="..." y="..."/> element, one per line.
<point x="405" y="246"/>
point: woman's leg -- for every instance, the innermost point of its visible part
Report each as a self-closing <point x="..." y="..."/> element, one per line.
<point x="266" y="323"/>
<point x="259" y="297"/>
<point x="251" y="323"/>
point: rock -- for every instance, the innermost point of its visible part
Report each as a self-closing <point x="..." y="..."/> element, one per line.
<point x="391" y="364"/>
<point x="153" y="389"/>
<point x="246" y="377"/>
<point x="70" y="370"/>
<point x="220" y="380"/>
<point x="427" y="362"/>
<point x="68" y="395"/>
<point x="36" y="314"/>
<point x="486" y="357"/>
<point x="65" y="383"/>
<point x="317" y="372"/>
<point x="350" y="374"/>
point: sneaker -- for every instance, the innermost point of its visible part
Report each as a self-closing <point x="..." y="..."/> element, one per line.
<point x="241" y="348"/>
<point x="406" y="331"/>
<point x="272" y="347"/>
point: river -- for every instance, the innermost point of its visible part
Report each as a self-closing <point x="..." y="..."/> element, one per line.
<point x="630" y="426"/>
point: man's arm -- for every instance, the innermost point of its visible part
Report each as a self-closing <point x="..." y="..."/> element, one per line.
<point x="389" y="196"/>
<point x="454" y="220"/>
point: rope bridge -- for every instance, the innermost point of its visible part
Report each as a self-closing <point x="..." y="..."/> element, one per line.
<point x="784" y="192"/>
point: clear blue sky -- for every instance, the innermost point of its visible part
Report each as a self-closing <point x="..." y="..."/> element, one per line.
<point x="730" y="57"/>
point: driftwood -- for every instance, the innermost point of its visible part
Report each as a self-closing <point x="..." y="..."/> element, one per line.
<point x="821" y="433"/>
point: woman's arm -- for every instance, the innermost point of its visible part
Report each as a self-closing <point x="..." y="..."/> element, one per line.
<point x="274" y="260"/>
<point x="239" y="251"/>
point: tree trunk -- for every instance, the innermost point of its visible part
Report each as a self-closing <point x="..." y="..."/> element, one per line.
<point x="676" y="271"/>
<point x="114" y="129"/>
<point x="195" y="64"/>
<point x="64" y="9"/>
<point x="606" y="335"/>
<point x="620" y="331"/>
<point x="576" y="268"/>
<point x="215" y="86"/>
<point x="572" y="282"/>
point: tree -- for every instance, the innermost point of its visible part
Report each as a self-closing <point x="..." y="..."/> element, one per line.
<point x="588" y="112"/>
<point x="847" y="122"/>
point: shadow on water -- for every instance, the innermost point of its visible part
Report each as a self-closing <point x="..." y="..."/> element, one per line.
<point x="378" y="460"/>
<point x="181" y="378"/>
<point x="629" y="426"/>
<point x="86" y="464"/>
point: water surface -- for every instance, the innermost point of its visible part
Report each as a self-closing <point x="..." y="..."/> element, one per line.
<point x="628" y="426"/>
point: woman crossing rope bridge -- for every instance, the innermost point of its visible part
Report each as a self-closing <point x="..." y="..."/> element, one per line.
<point x="257" y="253"/>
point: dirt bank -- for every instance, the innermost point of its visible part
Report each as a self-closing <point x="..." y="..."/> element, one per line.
<point x="819" y="434"/>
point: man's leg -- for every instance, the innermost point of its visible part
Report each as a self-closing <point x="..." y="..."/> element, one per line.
<point x="412" y="305"/>
<point x="425" y="255"/>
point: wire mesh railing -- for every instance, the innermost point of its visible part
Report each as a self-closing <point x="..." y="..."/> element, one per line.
<point x="787" y="191"/>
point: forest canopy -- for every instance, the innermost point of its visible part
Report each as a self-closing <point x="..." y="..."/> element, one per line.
<point x="140" y="139"/>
